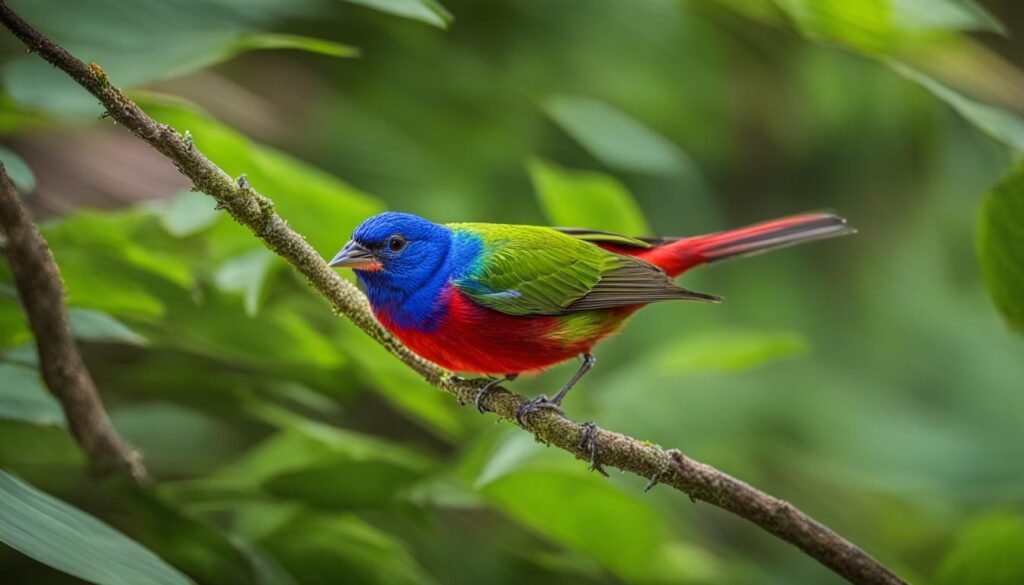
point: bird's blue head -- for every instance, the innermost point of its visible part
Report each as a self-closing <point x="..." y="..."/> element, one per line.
<point x="403" y="262"/>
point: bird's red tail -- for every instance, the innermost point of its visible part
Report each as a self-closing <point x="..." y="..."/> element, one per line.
<point x="677" y="256"/>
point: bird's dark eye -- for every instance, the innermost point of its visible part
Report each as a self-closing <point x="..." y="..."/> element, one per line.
<point x="396" y="243"/>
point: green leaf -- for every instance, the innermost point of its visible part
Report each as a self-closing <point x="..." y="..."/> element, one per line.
<point x="944" y="15"/>
<point x="69" y="540"/>
<point x="996" y="122"/>
<point x="91" y="325"/>
<point x="549" y="492"/>
<point x="728" y="351"/>
<point x="24" y="398"/>
<point x="266" y="569"/>
<point x="324" y="466"/>
<point x="255" y="520"/>
<point x="189" y="213"/>
<point x="345" y="483"/>
<point x="615" y="138"/>
<point x="683" y="562"/>
<point x="176" y="439"/>
<point x="282" y="343"/>
<point x="291" y="394"/>
<point x="443" y="491"/>
<point x="337" y="441"/>
<point x="15" y="118"/>
<point x="428" y="11"/>
<point x="191" y="543"/>
<point x="119" y="262"/>
<point x="147" y="44"/>
<point x="24" y="355"/>
<point x="840" y="16"/>
<point x="582" y="512"/>
<point x="19" y="172"/>
<point x="877" y="26"/>
<point x="552" y="494"/>
<point x="512" y="453"/>
<point x="315" y="203"/>
<point x="263" y="41"/>
<point x="864" y="24"/>
<point x="106" y="266"/>
<point x="33" y="449"/>
<point x="1000" y="246"/>
<point x="13" y="329"/>
<point x="118" y="234"/>
<point x="317" y="549"/>
<point x="246" y="274"/>
<point x="893" y="29"/>
<point x="586" y="199"/>
<point x="987" y="552"/>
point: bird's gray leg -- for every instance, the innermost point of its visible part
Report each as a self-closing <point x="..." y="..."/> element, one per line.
<point x="542" y="401"/>
<point x="487" y="389"/>
<point x="588" y="362"/>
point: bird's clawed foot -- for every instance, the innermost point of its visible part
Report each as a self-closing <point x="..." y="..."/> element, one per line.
<point x="486" y="389"/>
<point x="652" y="482"/>
<point x="543" y="402"/>
<point x="529" y="409"/>
<point x="588" y="443"/>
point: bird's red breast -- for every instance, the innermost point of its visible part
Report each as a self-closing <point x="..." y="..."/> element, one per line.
<point x="472" y="338"/>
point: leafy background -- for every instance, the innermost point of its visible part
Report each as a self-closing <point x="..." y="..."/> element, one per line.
<point x="874" y="381"/>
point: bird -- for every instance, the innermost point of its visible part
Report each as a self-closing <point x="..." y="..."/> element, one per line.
<point x="500" y="300"/>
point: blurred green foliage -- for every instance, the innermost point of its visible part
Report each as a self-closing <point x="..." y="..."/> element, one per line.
<point x="1001" y="248"/>
<point x="868" y="380"/>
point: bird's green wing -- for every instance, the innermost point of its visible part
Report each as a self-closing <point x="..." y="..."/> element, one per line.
<point x="527" y="270"/>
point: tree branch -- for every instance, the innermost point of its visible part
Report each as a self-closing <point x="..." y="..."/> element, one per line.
<point x="256" y="212"/>
<point x="39" y="287"/>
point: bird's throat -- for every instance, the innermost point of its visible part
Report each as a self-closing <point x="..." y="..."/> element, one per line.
<point x="421" y="308"/>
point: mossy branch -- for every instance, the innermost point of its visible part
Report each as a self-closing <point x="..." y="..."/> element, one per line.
<point x="670" y="467"/>
<point x="37" y="280"/>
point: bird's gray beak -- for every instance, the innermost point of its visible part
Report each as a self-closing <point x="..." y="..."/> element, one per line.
<point x="355" y="256"/>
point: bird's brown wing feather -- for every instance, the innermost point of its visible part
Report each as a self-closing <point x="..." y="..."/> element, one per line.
<point x="634" y="282"/>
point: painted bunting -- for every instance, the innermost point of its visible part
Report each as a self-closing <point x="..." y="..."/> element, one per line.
<point x="499" y="300"/>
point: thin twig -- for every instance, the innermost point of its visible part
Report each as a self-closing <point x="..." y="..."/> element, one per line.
<point x="699" y="481"/>
<point x="39" y="287"/>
